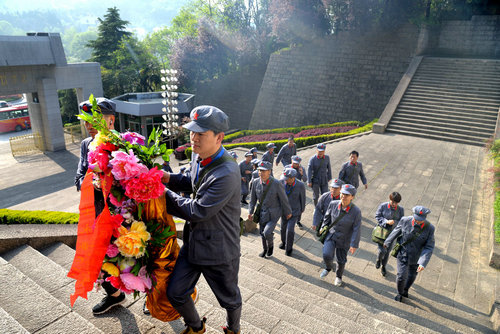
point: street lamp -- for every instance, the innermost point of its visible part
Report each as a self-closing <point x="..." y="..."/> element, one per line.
<point x="169" y="94"/>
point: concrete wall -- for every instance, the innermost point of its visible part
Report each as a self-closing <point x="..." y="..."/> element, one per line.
<point x="479" y="37"/>
<point x="345" y="77"/>
<point x="235" y="94"/>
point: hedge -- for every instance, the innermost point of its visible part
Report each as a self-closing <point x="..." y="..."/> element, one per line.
<point x="243" y="133"/>
<point x="301" y="141"/>
<point x="8" y="216"/>
<point x="495" y="154"/>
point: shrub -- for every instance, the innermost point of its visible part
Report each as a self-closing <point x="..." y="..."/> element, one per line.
<point x="495" y="154"/>
<point x="8" y="216"/>
<point x="302" y="141"/>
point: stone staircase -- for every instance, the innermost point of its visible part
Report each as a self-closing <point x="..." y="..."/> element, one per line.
<point x="281" y="295"/>
<point x="450" y="99"/>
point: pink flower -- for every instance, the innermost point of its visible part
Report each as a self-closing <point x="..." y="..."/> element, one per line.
<point x="140" y="283"/>
<point x="133" y="138"/>
<point x="115" y="201"/>
<point x="126" y="166"/>
<point x="112" y="251"/>
<point x="146" y="186"/>
<point x="117" y="283"/>
<point x="98" y="160"/>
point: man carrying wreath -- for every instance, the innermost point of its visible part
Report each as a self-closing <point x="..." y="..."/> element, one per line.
<point x="211" y="235"/>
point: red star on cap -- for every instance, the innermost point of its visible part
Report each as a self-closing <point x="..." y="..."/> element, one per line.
<point x="421" y="212"/>
<point x="195" y="116"/>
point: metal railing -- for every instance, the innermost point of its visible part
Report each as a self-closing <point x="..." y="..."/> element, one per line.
<point x="26" y="144"/>
<point x="73" y="134"/>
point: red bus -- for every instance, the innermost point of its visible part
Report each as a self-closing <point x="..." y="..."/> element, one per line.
<point x="15" y="118"/>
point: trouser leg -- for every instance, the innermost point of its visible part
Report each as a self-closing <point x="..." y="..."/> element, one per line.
<point x="329" y="254"/>
<point x="269" y="233"/>
<point x="402" y="275"/>
<point x="412" y="275"/>
<point x="180" y="287"/>
<point x="223" y="280"/>
<point x="316" y="190"/>
<point x="262" y="236"/>
<point x="290" y="233"/>
<point x="341" y="261"/>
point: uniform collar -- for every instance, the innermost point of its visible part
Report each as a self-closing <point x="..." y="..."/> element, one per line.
<point x="207" y="161"/>
<point x="338" y="197"/>
<point x="265" y="183"/>
<point x="353" y="163"/>
<point x="413" y="223"/>
<point x="317" y="156"/>
<point x="389" y="206"/>
<point x="346" y="209"/>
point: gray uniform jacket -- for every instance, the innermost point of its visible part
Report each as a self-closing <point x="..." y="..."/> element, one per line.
<point x="296" y="196"/>
<point x="244" y="166"/>
<point x="418" y="251"/>
<point x="347" y="232"/>
<point x="83" y="164"/>
<point x="320" y="209"/>
<point x="350" y="174"/>
<point x="302" y="178"/>
<point x="275" y="204"/>
<point x="268" y="157"/>
<point x="214" y="214"/>
<point x="285" y="154"/>
<point x="385" y="212"/>
<point x="319" y="170"/>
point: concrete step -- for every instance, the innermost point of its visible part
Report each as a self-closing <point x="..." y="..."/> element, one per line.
<point x="483" y="86"/>
<point x="409" y="131"/>
<point x="453" y="90"/>
<point x="53" y="278"/>
<point x="473" y="76"/>
<point x="440" y="126"/>
<point x="439" y="106"/>
<point x="427" y="100"/>
<point x="448" y="93"/>
<point x="297" y="271"/>
<point x="441" y="111"/>
<point x="458" y="98"/>
<point x="453" y="63"/>
<point x="34" y="308"/>
<point x="437" y="118"/>
<point x="442" y="130"/>
<point x="9" y="324"/>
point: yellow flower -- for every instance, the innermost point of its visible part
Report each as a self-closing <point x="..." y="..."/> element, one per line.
<point x="99" y="139"/>
<point x="131" y="243"/>
<point x="110" y="269"/>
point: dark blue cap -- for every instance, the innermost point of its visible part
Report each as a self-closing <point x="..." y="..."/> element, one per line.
<point x="249" y="154"/>
<point x="233" y="154"/>
<point x="296" y="159"/>
<point x="270" y="145"/>
<point x="348" y="189"/>
<point x="290" y="172"/>
<point x="104" y="106"/>
<point x="204" y="118"/>
<point x="255" y="161"/>
<point x="265" y="165"/>
<point x="336" y="183"/>
<point x="321" y="147"/>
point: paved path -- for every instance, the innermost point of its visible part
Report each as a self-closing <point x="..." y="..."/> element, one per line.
<point x="446" y="177"/>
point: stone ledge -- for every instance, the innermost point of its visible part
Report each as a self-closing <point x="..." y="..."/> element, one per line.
<point x="495" y="316"/>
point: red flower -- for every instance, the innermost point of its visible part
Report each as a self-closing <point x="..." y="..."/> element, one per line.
<point x="118" y="284"/>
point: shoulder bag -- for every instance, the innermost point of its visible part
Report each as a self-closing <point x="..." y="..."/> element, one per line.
<point x="398" y="246"/>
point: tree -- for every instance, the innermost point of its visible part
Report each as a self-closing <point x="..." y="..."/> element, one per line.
<point x="110" y="32"/>
<point x="69" y="105"/>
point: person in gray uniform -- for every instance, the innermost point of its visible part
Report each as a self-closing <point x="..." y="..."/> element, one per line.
<point x="211" y="236"/>
<point x="269" y="155"/>
<point x="286" y="152"/>
<point x="319" y="172"/>
<point x="352" y="170"/>
<point x="324" y="201"/>
<point x="253" y="150"/>
<point x="344" y="235"/>
<point x="272" y="203"/>
<point x="234" y="155"/>
<point x="416" y="237"/>
<point x="301" y="172"/>
<point x="255" y="172"/>
<point x="301" y="175"/>
<point x="295" y="190"/>
<point x="246" y="170"/>
<point x="388" y="215"/>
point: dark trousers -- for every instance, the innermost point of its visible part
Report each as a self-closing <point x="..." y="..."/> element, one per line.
<point x="383" y="254"/>
<point x="407" y="273"/>
<point x="329" y="253"/>
<point x="318" y="190"/>
<point x="288" y="231"/>
<point x="222" y="279"/>
<point x="266" y="231"/>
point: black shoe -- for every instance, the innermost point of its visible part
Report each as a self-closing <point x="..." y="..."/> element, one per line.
<point x="398" y="298"/>
<point x="377" y="264"/>
<point x="263" y="254"/>
<point x="281" y="246"/>
<point x="270" y="251"/>
<point x="405" y="294"/>
<point x="383" y="271"/>
<point x="288" y="253"/>
<point x="299" y="224"/>
<point x="243" y="201"/>
<point x="107" y="303"/>
<point x="145" y="309"/>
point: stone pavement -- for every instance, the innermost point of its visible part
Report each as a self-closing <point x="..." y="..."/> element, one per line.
<point x="447" y="177"/>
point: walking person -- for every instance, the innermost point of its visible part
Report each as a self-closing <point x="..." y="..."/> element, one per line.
<point x="254" y="151"/>
<point x="296" y="192"/>
<point x="324" y="201"/>
<point x="286" y="152"/>
<point x="246" y="169"/>
<point x="269" y="155"/>
<point x="388" y="215"/>
<point x="211" y="236"/>
<point x="415" y="236"/>
<point x="107" y="108"/>
<point x="352" y="170"/>
<point x="319" y="172"/>
<point x="268" y="201"/>
<point x="345" y="220"/>
<point x="301" y="176"/>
